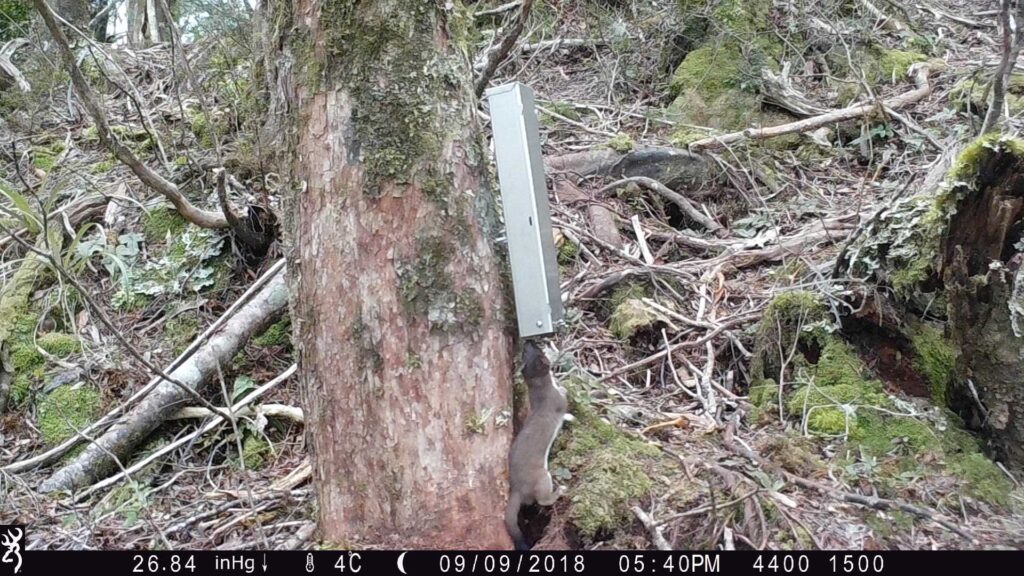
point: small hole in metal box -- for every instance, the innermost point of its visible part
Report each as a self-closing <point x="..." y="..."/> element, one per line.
<point x="531" y="220"/>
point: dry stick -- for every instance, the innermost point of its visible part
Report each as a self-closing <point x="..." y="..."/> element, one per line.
<point x="504" y="47"/>
<point x="292" y="413"/>
<point x="499" y="10"/>
<point x="197" y="216"/>
<point x="8" y="67"/>
<point x="672" y="196"/>
<point x="923" y="88"/>
<point x="738" y="319"/>
<point x="652" y="528"/>
<point x="953" y="17"/>
<point x="1012" y="39"/>
<point x="233" y="411"/>
<point x="562" y="43"/>
<point x="56" y="452"/>
<point x="887" y="21"/>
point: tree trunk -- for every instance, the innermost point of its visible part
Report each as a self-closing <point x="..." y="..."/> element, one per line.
<point x="951" y="255"/>
<point x="148" y="23"/>
<point x="405" y="362"/>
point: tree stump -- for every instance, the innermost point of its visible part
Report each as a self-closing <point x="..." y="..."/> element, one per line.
<point x="950" y="256"/>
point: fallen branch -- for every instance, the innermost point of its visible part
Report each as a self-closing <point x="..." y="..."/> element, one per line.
<point x="234" y="411"/>
<point x="888" y="22"/>
<point x="676" y="198"/>
<point x="89" y="98"/>
<point x="923" y="88"/>
<point x="672" y="167"/>
<point x="778" y="90"/>
<point x="561" y="43"/>
<point x="504" y="47"/>
<point x="292" y="413"/>
<point x="7" y="67"/>
<point x="117" y="442"/>
<point x="55" y="453"/>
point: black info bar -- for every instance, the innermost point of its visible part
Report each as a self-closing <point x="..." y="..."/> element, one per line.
<point x="383" y="563"/>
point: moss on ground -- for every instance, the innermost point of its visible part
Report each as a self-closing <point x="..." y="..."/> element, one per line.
<point x="162" y="222"/>
<point x="608" y="470"/>
<point x="936" y="360"/>
<point x="982" y="479"/>
<point x="709" y="72"/>
<point x="180" y="331"/>
<point x="621" y="143"/>
<point x="66" y="410"/>
<point x="45" y="157"/>
<point x="836" y="396"/>
<point x="631" y="316"/>
<point x="255" y="452"/>
<point x="893" y="65"/>
<point x="971" y="94"/>
<point x="279" y="334"/>
<point x="794" y="317"/>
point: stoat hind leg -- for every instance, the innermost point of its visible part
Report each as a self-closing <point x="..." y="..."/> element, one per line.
<point x="545" y="491"/>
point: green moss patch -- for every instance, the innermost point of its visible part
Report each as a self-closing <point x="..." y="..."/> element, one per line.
<point x="180" y="331"/>
<point x="162" y="222"/>
<point x="833" y="394"/>
<point x="709" y="72"/>
<point x="936" y="359"/>
<point x="893" y="65"/>
<point x="982" y="479"/>
<point x="621" y="143"/>
<point x="607" y="468"/>
<point x="971" y="94"/>
<point x="67" y="410"/>
<point x="255" y="452"/>
<point x="631" y="316"/>
<point x="279" y="334"/>
<point x="792" y="318"/>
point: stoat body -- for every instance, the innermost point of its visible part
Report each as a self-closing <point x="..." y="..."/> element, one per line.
<point x="529" y="479"/>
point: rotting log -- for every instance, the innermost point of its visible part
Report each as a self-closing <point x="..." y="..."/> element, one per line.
<point x="671" y="166"/>
<point x="97" y="460"/>
<point x="949" y="256"/>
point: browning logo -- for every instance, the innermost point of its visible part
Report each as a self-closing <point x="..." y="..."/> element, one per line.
<point x="11" y="539"/>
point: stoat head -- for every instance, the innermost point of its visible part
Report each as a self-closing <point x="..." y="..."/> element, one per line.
<point x="535" y="362"/>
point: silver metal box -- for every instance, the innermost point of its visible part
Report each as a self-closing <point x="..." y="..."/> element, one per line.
<point x="524" y="195"/>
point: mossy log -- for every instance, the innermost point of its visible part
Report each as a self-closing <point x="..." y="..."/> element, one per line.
<point x="14" y="306"/>
<point x="948" y="257"/>
<point x="117" y="442"/>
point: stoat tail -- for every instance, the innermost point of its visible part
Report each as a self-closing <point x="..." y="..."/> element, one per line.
<point x="512" y="521"/>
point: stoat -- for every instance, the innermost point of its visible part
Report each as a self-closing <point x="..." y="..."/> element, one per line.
<point x="529" y="479"/>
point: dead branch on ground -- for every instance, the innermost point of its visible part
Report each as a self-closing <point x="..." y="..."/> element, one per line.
<point x="89" y="98"/>
<point x="923" y="88"/>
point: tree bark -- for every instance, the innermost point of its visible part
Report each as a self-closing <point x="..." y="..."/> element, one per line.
<point x="405" y="362"/>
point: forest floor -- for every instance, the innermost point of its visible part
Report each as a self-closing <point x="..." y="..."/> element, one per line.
<point x="722" y="463"/>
